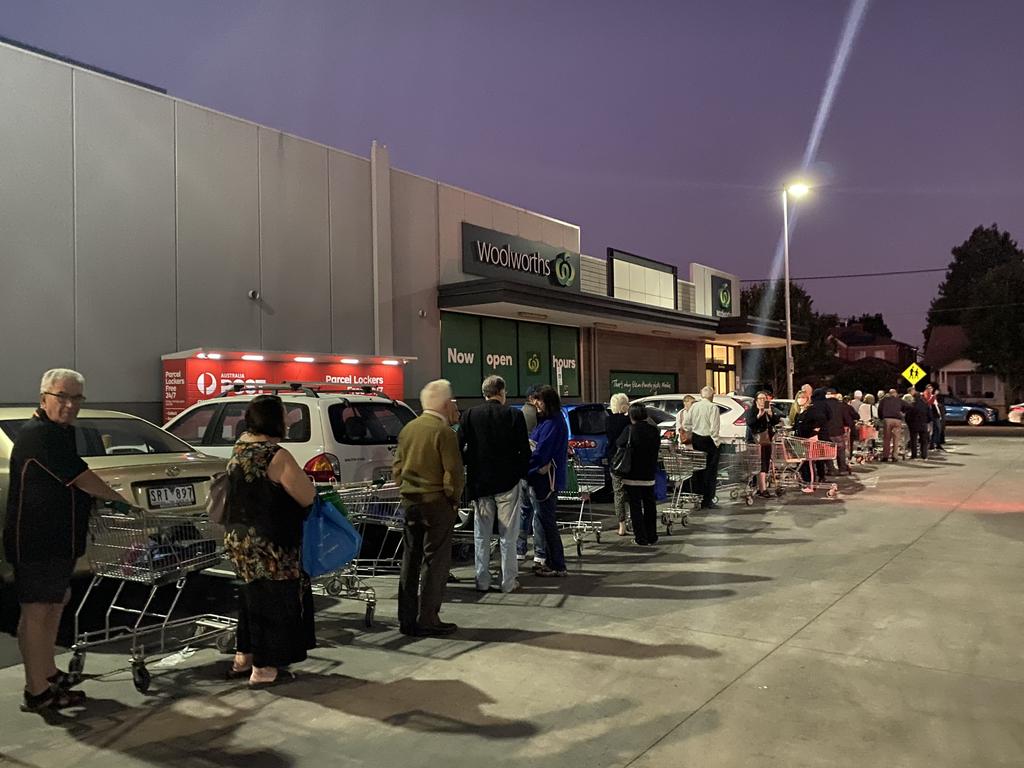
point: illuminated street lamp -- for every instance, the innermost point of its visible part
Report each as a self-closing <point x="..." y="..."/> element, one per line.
<point x="797" y="190"/>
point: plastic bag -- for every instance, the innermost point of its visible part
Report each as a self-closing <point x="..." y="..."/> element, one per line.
<point x="329" y="542"/>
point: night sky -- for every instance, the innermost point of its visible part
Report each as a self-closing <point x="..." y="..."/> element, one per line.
<point x="661" y="128"/>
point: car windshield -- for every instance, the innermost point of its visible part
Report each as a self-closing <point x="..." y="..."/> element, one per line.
<point x="588" y="421"/>
<point x="114" y="436"/>
<point x="368" y="423"/>
<point x="659" y="415"/>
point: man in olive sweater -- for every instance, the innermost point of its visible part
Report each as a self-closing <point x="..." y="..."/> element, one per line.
<point x="428" y="466"/>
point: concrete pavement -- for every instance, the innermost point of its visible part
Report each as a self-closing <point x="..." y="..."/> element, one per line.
<point x="882" y="629"/>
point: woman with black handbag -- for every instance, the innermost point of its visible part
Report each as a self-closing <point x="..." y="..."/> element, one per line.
<point x="761" y="421"/>
<point x="636" y="462"/>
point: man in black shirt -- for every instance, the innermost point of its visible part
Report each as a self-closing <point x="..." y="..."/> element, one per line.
<point x="48" y="507"/>
<point x="496" y="452"/>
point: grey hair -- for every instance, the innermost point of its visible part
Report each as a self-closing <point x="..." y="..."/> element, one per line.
<point x="619" y="402"/>
<point x="436" y="395"/>
<point x="858" y="395"/>
<point x="707" y="393"/>
<point x="55" y="375"/>
<point x="493" y="386"/>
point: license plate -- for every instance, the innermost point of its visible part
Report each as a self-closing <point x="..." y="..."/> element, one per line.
<point x="164" y="496"/>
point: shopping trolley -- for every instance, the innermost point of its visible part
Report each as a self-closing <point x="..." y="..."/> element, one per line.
<point x="347" y="583"/>
<point x="738" y="465"/>
<point x="584" y="481"/>
<point x="865" y="442"/>
<point x="680" y="466"/>
<point x="790" y="453"/>
<point x="155" y="549"/>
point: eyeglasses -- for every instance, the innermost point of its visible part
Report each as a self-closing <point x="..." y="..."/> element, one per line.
<point x="66" y="398"/>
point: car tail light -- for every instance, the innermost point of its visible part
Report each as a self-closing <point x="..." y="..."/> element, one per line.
<point x="323" y="468"/>
<point x="741" y="421"/>
<point x="668" y="434"/>
<point x="1017" y="408"/>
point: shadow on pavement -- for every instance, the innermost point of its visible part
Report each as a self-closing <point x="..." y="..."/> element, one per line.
<point x="583" y="643"/>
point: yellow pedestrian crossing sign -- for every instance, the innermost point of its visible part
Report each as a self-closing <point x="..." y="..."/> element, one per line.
<point x="914" y="373"/>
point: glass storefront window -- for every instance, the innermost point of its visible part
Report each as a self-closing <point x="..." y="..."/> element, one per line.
<point x="720" y="363"/>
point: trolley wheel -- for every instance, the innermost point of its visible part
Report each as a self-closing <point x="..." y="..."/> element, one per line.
<point x="779" y="491"/>
<point x="597" y="536"/>
<point x="76" y="666"/>
<point x="685" y="521"/>
<point x="668" y="528"/>
<point x="714" y="499"/>
<point x="749" y="500"/>
<point x="140" y="677"/>
<point x="579" y="548"/>
<point x="226" y="642"/>
<point x="334" y="587"/>
<point x="832" y="492"/>
<point x="371" y="608"/>
<point x="734" y="494"/>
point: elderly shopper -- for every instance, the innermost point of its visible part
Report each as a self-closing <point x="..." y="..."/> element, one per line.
<point x="891" y="410"/>
<point x="428" y="468"/>
<point x="640" y="443"/>
<point x="703" y="422"/>
<point x="547" y="476"/>
<point x="267" y="502"/>
<point x="496" y="451"/>
<point x="48" y="504"/>
<point x="616" y="424"/>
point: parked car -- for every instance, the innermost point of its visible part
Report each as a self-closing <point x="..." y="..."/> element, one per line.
<point x="150" y="467"/>
<point x="336" y="436"/>
<point x="1017" y="413"/>
<point x="733" y="409"/>
<point x="588" y="423"/>
<point x="960" y="412"/>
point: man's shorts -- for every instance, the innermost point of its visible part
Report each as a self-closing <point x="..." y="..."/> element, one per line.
<point x="43" y="581"/>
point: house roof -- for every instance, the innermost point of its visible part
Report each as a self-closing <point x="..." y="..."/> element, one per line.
<point x="945" y="344"/>
<point x="855" y="336"/>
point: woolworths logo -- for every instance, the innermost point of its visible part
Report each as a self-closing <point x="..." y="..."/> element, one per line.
<point x="725" y="297"/>
<point x="564" y="271"/>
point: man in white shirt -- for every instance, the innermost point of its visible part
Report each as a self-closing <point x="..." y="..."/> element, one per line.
<point x="703" y="422"/>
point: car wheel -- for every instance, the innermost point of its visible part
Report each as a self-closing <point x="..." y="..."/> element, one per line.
<point x="975" y="419"/>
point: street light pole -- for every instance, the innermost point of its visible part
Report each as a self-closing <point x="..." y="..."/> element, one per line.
<point x="785" y="262"/>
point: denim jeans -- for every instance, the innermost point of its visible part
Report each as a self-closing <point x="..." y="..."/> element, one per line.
<point x="506" y="508"/>
<point x="530" y="526"/>
<point x="546" y="520"/>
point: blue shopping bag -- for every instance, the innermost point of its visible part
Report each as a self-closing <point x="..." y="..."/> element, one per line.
<point x="660" y="485"/>
<point x="329" y="542"/>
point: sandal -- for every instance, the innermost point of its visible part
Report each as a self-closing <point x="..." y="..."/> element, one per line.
<point x="283" y="676"/>
<point x="237" y="674"/>
<point x="62" y="680"/>
<point x="52" y="698"/>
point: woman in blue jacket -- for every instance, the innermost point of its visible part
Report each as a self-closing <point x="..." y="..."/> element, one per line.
<point x="547" y="476"/>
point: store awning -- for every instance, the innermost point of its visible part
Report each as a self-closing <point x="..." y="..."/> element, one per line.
<point x="500" y="298"/>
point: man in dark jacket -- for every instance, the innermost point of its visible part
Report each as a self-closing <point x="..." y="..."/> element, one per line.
<point x="891" y="411"/>
<point x="48" y="506"/>
<point x="840" y="418"/>
<point x="917" y="423"/>
<point x="496" y="451"/>
<point x="641" y="440"/>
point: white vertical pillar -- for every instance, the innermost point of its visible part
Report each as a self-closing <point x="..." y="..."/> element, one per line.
<point x="383" y="290"/>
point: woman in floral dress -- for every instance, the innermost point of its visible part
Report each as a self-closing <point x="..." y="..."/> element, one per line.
<point x="268" y="498"/>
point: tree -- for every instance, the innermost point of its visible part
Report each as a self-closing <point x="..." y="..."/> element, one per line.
<point x="813" y="362"/>
<point x="869" y="375"/>
<point x="986" y="249"/>
<point x="873" y="324"/>
<point x="995" y="324"/>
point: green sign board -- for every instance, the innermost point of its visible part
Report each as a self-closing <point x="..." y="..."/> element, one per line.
<point x="500" y="351"/>
<point x="565" y="360"/>
<point x="534" y="356"/>
<point x="642" y="384"/>
<point x="523" y="354"/>
<point x="460" y="353"/>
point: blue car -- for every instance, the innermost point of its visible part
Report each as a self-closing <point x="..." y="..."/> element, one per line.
<point x="960" y="412"/>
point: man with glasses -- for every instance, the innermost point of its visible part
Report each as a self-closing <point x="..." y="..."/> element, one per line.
<point x="51" y="490"/>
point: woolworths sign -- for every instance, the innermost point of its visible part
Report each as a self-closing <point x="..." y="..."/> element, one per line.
<point x="504" y="257"/>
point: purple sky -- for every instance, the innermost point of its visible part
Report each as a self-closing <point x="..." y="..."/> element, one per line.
<point x="661" y="128"/>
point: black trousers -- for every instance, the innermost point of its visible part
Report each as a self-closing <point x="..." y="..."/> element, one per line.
<point x="275" y="621"/>
<point x="643" y="511"/>
<point x="706" y="481"/>
<point x="426" y="561"/>
<point x="919" y="438"/>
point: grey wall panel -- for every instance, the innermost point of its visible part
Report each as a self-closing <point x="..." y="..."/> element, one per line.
<point x="217" y="230"/>
<point x="294" y="250"/>
<point x="124" y="191"/>
<point x="36" y="222"/>
<point x="351" y="254"/>
<point x="414" y="239"/>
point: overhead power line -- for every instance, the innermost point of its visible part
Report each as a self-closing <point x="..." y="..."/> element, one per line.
<point x="838" y="277"/>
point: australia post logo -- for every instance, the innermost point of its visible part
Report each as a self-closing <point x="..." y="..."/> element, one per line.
<point x="206" y="383"/>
